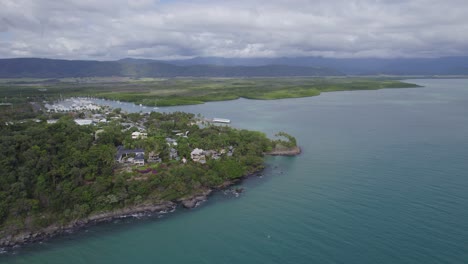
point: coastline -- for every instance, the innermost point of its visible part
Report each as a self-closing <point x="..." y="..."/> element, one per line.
<point x="188" y="202"/>
<point x="294" y="151"/>
<point x="29" y="237"/>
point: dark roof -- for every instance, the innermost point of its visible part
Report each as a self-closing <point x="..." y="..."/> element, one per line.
<point x="121" y="151"/>
<point x="140" y="157"/>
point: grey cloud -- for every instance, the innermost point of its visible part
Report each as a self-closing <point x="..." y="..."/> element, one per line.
<point x="112" y="29"/>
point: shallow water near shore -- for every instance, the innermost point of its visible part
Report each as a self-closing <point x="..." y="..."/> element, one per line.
<point x="383" y="178"/>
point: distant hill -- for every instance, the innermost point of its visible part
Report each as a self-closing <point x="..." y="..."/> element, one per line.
<point x="50" y="68"/>
<point x="231" y="67"/>
<point x="359" y="66"/>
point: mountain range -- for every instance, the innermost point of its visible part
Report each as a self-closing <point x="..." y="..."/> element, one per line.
<point x="231" y="67"/>
<point x="351" y="66"/>
<point x="50" y="68"/>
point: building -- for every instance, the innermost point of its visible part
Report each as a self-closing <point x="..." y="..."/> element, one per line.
<point x="185" y="135"/>
<point x="171" y="142"/>
<point x="198" y="155"/>
<point x="231" y="151"/>
<point x="139" y="135"/>
<point x="139" y="159"/>
<point x="122" y="156"/>
<point x="84" y="122"/>
<point x="52" y="121"/>
<point x="154" y="157"/>
<point x="173" y="154"/>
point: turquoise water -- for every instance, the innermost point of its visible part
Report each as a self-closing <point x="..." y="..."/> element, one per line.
<point x="383" y="179"/>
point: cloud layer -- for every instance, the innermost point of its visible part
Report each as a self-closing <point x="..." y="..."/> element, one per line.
<point x="113" y="29"/>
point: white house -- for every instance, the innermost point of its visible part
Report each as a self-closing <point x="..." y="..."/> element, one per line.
<point x="197" y="155"/>
<point x="83" y="122"/>
<point x="137" y="135"/>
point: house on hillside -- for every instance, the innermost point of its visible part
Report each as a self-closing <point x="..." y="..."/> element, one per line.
<point x="231" y="151"/>
<point x="171" y="141"/>
<point x="198" y="155"/>
<point x="84" y="122"/>
<point x="134" y="156"/>
<point x="139" y="159"/>
<point x="154" y="157"/>
<point x="212" y="154"/>
<point x="139" y="135"/>
<point x="52" y="121"/>
<point x="173" y="155"/>
<point x="185" y="135"/>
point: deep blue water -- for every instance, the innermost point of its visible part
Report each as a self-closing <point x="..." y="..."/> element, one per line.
<point x="383" y="179"/>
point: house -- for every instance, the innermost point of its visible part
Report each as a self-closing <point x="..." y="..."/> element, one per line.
<point x="98" y="116"/>
<point x="173" y="154"/>
<point x="216" y="156"/>
<point x="84" y="122"/>
<point x="212" y="154"/>
<point x="139" y="135"/>
<point x="171" y="141"/>
<point x="198" y="155"/>
<point x="122" y="156"/>
<point x="139" y="159"/>
<point x="52" y="121"/>
<point x="102" y="120"/>
<point x="202" y="159"/>
<point x="183" y="134"/>
<point x="154" y="157"/>
<point x="231" y="151"/>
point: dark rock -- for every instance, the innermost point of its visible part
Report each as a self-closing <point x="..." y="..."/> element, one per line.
<point x="239" y="190"/>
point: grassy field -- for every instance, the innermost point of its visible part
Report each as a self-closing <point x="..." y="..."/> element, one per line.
<point x="184" y="91"/>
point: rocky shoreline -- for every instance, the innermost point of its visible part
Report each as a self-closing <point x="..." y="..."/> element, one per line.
<point x="187" y="202"/>
<point x="294" y="151"/>
<point x="54" y="230"/>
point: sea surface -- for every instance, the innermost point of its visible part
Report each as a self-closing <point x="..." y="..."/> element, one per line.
<point x="383" y="178"/>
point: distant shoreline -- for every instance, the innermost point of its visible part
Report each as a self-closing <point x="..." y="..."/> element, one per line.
<point x="157" y="92"/>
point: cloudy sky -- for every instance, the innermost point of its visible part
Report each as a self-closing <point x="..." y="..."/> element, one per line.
<point x="172" y="29"/>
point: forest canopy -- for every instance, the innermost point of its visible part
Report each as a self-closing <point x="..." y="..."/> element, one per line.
<point x="57" y="173"/>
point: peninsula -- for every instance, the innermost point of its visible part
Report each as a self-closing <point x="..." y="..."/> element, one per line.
<point x="64" y="170"/>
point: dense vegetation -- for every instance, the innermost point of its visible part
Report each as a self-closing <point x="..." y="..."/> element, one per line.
<point x="285" y="140"/>
<point x="169" y="92"/>
<point x="55" y="173"/>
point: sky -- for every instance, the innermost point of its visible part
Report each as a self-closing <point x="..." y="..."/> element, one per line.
<point x="179" y="29"/>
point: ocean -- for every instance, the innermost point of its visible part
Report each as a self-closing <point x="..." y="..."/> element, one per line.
<point x="383" y="178"/>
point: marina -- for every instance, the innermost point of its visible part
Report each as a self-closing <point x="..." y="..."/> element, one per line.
<point x="73" y="104"/>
